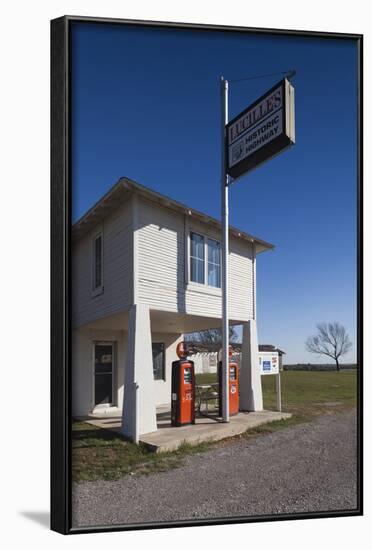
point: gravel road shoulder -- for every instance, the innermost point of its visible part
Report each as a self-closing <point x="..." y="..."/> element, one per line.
<point x="306" y="468"/>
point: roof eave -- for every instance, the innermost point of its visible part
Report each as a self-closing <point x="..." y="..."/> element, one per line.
<point x="99" y="209"/>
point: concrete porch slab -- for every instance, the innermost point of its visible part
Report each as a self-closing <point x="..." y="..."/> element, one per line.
<point x="108" y="421"/>
<point x="111" y="418"/>
<point x="206" y="428"/>
<point x="168" y="438"/>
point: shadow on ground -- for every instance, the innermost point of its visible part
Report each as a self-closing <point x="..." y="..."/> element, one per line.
<point x="42" y="518"/>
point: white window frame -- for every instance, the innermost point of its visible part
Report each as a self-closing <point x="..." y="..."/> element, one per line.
<point x="202" y="286"/>
<point x="99" y="289"/>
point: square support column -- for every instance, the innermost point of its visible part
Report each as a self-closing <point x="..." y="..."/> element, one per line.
<point x="139" y="409"/>
<point x="250" y="377"/>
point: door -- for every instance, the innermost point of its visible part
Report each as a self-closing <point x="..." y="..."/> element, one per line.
<point x="103" y="373"/>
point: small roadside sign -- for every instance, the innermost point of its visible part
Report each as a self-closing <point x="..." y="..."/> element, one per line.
<point x="269" y="362"/>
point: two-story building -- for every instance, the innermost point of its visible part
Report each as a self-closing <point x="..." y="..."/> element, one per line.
<point x="145" y="270"/>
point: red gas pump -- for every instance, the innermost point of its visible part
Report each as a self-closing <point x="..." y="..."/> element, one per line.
<point x="233" y="386"/>
<point x="183" y="388"/>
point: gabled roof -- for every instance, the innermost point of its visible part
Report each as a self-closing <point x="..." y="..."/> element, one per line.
<point x="126" y="187"/>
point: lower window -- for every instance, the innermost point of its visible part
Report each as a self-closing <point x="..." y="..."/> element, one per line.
<point x="103" y="368"/>
<point x="158" y="361"/>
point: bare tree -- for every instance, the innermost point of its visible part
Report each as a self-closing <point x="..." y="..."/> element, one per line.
<point x="331" y="340"/>
<point x="211" y="336"/>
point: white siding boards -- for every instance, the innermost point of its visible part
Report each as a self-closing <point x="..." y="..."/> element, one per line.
<point x="242" y="282"/>
<point x="163" y="266"/>
<point x="146" y="259"/>
<point x="161" y="251"/>
<point x="116" y="294"/>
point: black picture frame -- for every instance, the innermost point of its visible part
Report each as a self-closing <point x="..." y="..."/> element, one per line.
<point x="61" y="272"/>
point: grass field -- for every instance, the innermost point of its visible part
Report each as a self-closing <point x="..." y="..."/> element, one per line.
<point x="306" y="393"/>
<point x="102" y="454"/>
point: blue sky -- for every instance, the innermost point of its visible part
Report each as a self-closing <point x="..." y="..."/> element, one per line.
<point x="146" y="105"/>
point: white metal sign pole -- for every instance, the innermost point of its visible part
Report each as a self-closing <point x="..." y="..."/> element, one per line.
<point x="225" y="252"/>
<point x="278" y="393"/>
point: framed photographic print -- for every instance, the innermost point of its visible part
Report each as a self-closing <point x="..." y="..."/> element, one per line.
<point x="206" y="274"/>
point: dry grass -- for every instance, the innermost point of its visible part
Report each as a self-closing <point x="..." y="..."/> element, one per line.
<point x="103" y="454"/>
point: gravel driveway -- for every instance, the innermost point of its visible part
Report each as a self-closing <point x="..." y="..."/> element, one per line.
<point x="305" y="468"/>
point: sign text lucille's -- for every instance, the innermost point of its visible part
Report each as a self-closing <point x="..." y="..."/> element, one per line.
<point x="261" y="131"/>
<point x="267" y="106"/>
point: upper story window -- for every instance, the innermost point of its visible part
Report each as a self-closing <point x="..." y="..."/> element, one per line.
<point x="197" y="267"/>
<point x="97" y="263"/>
<point x="214" y="263"/>
<point x="205" y="260"/>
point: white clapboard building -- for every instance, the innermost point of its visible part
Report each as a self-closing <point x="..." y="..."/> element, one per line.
<point x="146" y="270"/>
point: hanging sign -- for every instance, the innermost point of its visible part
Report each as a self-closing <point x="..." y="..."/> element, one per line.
<point x="261" y="131"/>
